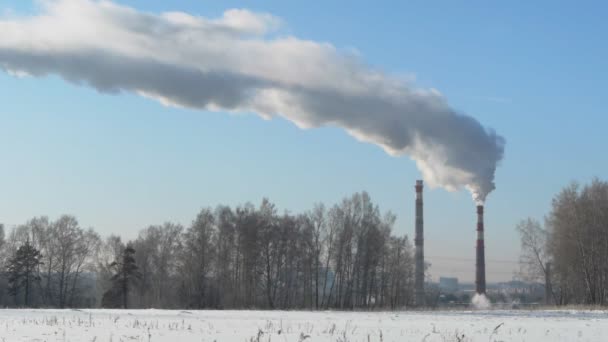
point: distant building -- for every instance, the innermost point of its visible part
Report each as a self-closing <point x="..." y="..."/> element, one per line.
<point x="515" y="287"/>
<point x="448" y="284"/>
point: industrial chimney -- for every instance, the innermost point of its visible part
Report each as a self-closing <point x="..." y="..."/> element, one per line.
<point x="480" y="272"/>
<point x="419" y="241"/>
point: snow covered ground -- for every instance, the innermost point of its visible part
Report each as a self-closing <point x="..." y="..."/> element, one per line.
<point x="281" y="326"/>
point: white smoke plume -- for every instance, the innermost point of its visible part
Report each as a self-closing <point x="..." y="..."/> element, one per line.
<point x="481" y="302"/>
<point x="241" y="62"/>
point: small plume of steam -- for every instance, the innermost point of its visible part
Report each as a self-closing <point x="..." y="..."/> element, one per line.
<point x="241" y="63"/>
<point x="481" y="302"/>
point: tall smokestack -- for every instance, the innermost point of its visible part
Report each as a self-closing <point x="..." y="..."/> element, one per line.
<point x="480" y="274"/>
<point x="419" y="241"/>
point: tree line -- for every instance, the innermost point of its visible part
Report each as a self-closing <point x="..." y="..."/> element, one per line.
<point x="342" y="257"/>
<point x="570" y="250"/>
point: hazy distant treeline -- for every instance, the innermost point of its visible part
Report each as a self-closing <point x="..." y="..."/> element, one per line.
<point x="570" y="251"/>
<point x="342" y="257"/>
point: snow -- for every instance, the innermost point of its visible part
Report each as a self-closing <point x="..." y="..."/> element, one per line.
<point x="299" y="326"/>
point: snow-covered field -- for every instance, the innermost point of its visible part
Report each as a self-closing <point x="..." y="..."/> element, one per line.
<point x="280" y="326"/>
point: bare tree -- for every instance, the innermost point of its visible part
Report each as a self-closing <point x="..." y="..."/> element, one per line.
<point x="269" y="249"/>
<point x="226" y="256"/>
<point x="197" y="258"/>
<point x="86" y="247"/>
<point x="109" y="251"/>
<point x="533" y="256"/>
<point x="317" y="218"/>
<point x="166" y="244"/>
<point x="66" y="235"/>
<point x="333" y="225"/>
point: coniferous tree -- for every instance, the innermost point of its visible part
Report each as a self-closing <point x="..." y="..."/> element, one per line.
<point x="22" y="269"/>
<point x="126" y="274"/>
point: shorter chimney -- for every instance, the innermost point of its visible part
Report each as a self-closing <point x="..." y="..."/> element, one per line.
<point x="419" y="242"/>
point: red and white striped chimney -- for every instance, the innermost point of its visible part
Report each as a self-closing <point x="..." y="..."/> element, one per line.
<point x="480" y="272"/>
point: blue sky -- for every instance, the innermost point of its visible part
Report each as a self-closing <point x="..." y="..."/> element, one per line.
<point x="535" y="73"/>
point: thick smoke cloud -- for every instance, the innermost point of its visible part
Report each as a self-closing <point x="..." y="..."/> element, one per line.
<point x="240" y="63"/>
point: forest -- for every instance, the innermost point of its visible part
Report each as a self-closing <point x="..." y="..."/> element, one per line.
<point x="340" y="257"/>
<point x="569" y="251"/>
